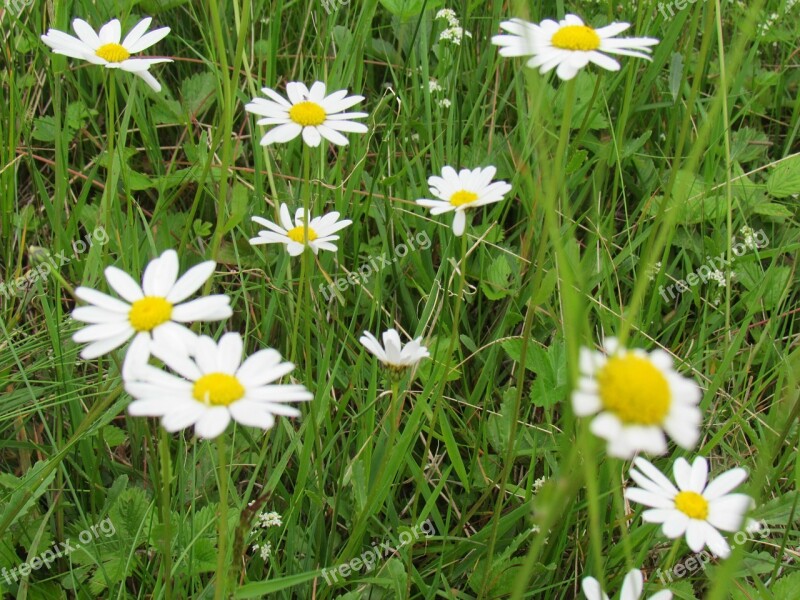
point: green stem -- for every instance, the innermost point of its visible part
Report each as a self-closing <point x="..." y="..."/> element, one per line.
<point x="222" y="525"/>
<point x="166" y="478"/>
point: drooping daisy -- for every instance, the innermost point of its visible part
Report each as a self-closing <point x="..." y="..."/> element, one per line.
<point x="638" y="396"/>
<point x="632" y="588"/>
<point x="309" y="112"/>
<point x="104" y="48"/>
<point x="569" y="45"/>
<point x="293" y="234"/>
<point x="392" y="353"/>
<point x="152" y="310"/>
<point x="695" y="508"/>
<point x="213" y="385"/>
<point x="460" y="191"/>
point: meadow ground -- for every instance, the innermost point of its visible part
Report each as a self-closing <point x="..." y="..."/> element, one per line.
<point x="655" y="205"/>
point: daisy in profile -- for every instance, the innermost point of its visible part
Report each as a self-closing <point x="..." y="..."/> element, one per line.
<point x="104" y="47"/>
<point x="321" y="231"/>
<point x="569" y="45"/>
<point x="632" y="588"/>
<point x="392" y="353"/>
<point x="309" y="112"/>
<point x="460" y="191"/>
<point x="695" y="507"/>
<point x="638" y="396"/>
<point x="156" y="309"/>
<point x="212" y="385"/>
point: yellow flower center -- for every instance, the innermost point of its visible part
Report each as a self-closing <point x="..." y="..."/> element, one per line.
<point x="576" y="37"/>
<point x="217" y="389"/>
<point x="462" y="197"/>
<point x="149" y="312"/>
<point x="298" y="235"/>
<point x="307" y="114"/>
<point x="692" y="504"/>
<point x="634" y="390"/>
<point x="113" y="53"/>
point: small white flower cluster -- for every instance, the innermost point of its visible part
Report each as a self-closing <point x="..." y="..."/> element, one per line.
<point x="719" y="277"/>
<point x="265" y="550"/>
<point x="269" y="519"/>
<point x="434" y="86"/>
<point x="749" y="235"/>
<point x="454" y="32"/>
<point x="265" y="521"/>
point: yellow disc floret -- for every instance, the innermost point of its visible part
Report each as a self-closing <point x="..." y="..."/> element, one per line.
<point x="307" y="114"/>
<point x="576" y="37"/>
<point x="149" y="312"/>
<point x="298" y="235"/>
<point x="692" y="504"/>
<point x="634" y="390"/>
<point x="217" y="389"/>
<point x="113" y="53"/>
<point x="462" y="197"/>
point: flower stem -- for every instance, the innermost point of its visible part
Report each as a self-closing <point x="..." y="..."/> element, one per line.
<point x="166" y="478"/>
<point x="222" y="524"/>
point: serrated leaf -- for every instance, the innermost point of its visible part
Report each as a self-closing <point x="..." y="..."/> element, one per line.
<point x="44" y="129"/>
<point x="773" y="209"/>
<point x="576" y="161"/>
<point x="197" y="92"/>
<point x="495" y="285"/>
<point x="784" y="179"/>
<point x="31" y="483"/>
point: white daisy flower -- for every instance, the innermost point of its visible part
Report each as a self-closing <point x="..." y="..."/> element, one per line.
<point x="104" y="47"/>
<point x="392" y="353"/>
<point x="293" y="234"/>
<point x="460" y="191"/>
<point x="695" y="508"/>
<point x="569" y="45"/>
<point x="638" y="396"/>
<point x="309" y="112"/>
<point x="632" y="588"/>
<point x="153" y="310"/>
<point x="212" y="386"/>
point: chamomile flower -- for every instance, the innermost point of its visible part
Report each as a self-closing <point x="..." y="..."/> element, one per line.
<point x="392" y="353"/>
<point x="569" y="45"/>
<point x="321" y="231"/>
<point x="695" y="508"/>
<point x="307" y="112"/>
<point x="104" y="47"/>
<point x="638" y="396"/>
<point x="156" y="309"/>
<point x="212" y="385"/>
<point x="632" y="588"/>
<point x="460" y="191"/>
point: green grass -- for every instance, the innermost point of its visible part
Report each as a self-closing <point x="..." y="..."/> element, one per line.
<point x="488" y="448"/>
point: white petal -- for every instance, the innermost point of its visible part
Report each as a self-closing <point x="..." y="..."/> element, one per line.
<point x="160" y="274"/>
<point x="724" y="483"/>
<point x="136" y="33"/>
<point x="632" y="585"/>
<point x="229" y="353"/>
<point x="111" y="32"/>
<point x="86" y="33"/>
<point x="148" y="40"/>
<point x="123" y="284"/>
<point x="251" y="414"/>
<point x="311" y="136"/>
<point x="213" y="422"/>
<point x="190" y="282"/>
<point x="183" y="415"/>
<point x="207" y="308"/>
<point x="459" y="223"/>
<point x="282" y="134"/>
<point x="676" y="526"/>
